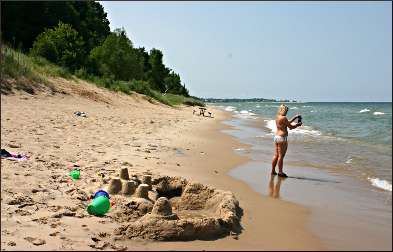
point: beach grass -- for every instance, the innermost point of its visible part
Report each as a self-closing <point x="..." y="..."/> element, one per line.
<point x="17" y="65"/>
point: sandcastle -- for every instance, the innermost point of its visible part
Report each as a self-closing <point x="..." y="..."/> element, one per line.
<point x="171" y="208"/>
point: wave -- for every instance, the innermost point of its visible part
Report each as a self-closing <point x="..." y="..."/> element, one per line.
<point x="364" y="110"/>
<point x="245" y="114"/>
<point x="294" y="108"/>
<point x="378" y="113"/>
<point x="303" y="130"/>
<point x="230" y="108"/>
<point x="380" y="183"/>
<point x="306" y="106"/>
<point x="306" y="130"/>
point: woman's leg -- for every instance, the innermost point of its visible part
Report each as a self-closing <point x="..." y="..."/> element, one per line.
<point x="282" y="150"/>
<point x="285" y="147"/>
<point x="275" y="159"/>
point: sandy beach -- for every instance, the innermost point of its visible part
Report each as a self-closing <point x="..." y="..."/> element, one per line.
<point x="122" y="131"/>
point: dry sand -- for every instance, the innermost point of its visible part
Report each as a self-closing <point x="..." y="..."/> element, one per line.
<point x="121" y="131"/>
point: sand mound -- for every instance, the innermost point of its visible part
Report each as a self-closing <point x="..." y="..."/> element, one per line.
<point x="172" y="208"/>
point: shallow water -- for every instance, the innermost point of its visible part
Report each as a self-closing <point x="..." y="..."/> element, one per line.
<point x="354" y="138"/>
<point x="348" y="212"/>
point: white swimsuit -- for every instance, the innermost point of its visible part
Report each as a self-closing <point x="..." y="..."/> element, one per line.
<point x="280" y="139"/>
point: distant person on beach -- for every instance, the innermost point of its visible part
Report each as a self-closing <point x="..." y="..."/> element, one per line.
<point x="281" y="138"/>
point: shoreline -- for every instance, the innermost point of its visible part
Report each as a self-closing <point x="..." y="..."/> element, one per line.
<point x="347" y="204"/>
<point x="260" y="219"/>
<point x="121" y="131"/>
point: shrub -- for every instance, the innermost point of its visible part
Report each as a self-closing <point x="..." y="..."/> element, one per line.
<point x="61" y="45"/>
<point x="117" y="57"/>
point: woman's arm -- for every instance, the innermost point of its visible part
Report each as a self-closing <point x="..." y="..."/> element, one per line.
<point x="294" y="118"/>
<point x="290" y="126"/>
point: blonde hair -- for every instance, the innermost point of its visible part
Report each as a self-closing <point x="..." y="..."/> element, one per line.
<point x="282" y="110"/>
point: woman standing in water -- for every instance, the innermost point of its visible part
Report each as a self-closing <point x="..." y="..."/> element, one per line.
<point x="281" y="138"/>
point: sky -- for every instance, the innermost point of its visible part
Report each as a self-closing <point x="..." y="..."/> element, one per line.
<point x="306" y="51"/>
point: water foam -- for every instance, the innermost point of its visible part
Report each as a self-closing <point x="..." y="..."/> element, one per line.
<point x="380" y="183"/>
<point x="245" y="114"/>
<point x="304" y="130"/>
<point x="364" y="110"/>
<point x="378" y="113"/>
<point x="229" y="108"/>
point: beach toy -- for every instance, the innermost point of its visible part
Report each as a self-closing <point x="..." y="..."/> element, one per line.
<point x="101" y="193"/>
<point x="101" y="175"/>
<point x="75" y="174"/>
<point x="99" y="206"/>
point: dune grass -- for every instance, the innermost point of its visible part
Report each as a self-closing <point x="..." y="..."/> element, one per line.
<point x="16" y="65"/>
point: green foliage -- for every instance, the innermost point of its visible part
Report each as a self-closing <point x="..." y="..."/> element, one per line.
<point x="180" y="99"/>
<point x="17" y="65"/>
<point x="173" y="84"/>
<point x="45" y="47"/>
<point x="61" y="45"/>
<point x="193" y="102"/>
<point x="22" y="21"/>
<point x="158" y="72"/>
<point x="46" y="68"/>
<point x="81" y="73"/>
<point x="146" y="63"/>
<point x="27" y="71"/>
<point x="122" y="63"/>
<point x="92" y="23"/>
<point x="66" y="37"/>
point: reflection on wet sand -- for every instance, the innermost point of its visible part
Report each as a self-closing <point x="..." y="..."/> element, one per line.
<point x="274" y="187"/>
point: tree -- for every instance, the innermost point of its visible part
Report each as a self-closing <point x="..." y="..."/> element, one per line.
<point x="61" y="45"/>
<point x="116" y="58"/>
<point x="22" y="21"/>
<point x="158" y="72"/>
<point x="146" y="62"/>
<point x="173" y="83"/>
<point x="92" y="23"/>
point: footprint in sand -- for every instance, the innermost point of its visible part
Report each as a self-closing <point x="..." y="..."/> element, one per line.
<point x="35" y="241"/>
<point x="11" y="243"/>
<point x="54" y="233"/>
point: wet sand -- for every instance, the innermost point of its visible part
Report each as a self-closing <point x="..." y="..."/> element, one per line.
<point x="122" y="131"/>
